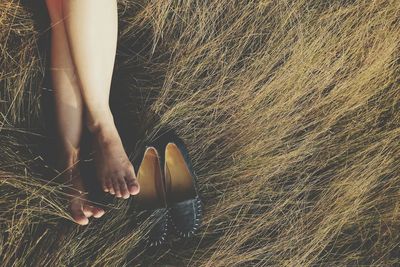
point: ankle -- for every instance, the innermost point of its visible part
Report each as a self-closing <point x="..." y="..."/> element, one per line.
<point x="106" y="134"/>
<point x="68" y="157"/>
<point x="100" y="122"/>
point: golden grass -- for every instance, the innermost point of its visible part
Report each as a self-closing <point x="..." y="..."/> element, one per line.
<point x="291" y="113"/>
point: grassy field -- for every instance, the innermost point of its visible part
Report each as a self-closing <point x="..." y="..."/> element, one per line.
<point x="290" y="109"/>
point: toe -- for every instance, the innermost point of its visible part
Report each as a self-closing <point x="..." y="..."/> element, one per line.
<point x="116" y="188"/>
<point x="124" y="189"/>
<point x="79" y="217"/>
<point x="107" y="185"/>
<point x="111" y="188"/>
<point x="97" y="212"/>
<point x="133" y="185"/>
<point x="87" y="211"/>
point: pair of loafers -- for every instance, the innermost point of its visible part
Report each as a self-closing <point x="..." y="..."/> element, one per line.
<point x="168" y="187"/>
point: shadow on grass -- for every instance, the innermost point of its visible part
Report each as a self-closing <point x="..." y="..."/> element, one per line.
<point x="129" y="101"/>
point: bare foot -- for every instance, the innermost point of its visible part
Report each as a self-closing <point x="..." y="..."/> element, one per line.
<point x="114" y="169"/>
<point x="81" y="210"/>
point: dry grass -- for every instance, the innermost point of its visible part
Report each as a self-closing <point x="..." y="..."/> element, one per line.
<point x="290" y="110"/>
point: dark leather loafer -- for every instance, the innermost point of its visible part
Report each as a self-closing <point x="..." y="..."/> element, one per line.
<point x="152" y="195"/>
<point x="183" y="200"/>
<point x="180" y="183"/>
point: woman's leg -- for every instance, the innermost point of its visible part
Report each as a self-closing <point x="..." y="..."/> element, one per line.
<point x="92" y="28"/>
<point x="69" y="114"/>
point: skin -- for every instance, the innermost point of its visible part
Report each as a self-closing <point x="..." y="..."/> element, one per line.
<point x="84" y="38"/>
